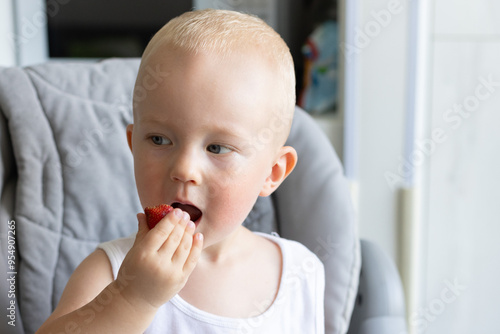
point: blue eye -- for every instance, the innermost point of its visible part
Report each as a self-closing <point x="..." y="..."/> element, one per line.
<point x="159" y="140"/>
<point x="217" y="149"/>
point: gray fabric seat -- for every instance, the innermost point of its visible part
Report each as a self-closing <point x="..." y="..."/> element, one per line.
<point x="67" y="182"/>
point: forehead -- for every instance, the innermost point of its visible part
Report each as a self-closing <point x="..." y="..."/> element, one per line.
<point x="240" y="85"/>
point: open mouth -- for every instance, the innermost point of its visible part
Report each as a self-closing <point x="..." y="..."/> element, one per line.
<point x="194" y="212"/>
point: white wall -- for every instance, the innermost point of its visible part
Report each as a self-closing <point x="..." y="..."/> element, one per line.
<point x="459" y="212"/>
<point x="461" y="273"/>
<point x="7" y="47"/>
<point x="23" y="32"/>
<point x="381" y="42"/>
<point x="31" y="29"/>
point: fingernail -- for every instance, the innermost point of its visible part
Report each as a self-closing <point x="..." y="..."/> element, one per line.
<point x="191" y="225"/>
<point x="186" y="216"/>
<point x="178" y="213"/>
<point x="199" y="236"/>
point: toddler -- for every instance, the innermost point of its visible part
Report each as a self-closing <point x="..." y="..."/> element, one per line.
<point x="208" y="138"/>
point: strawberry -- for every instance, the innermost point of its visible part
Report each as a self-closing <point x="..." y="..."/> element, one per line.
<point x="155" y="213"/>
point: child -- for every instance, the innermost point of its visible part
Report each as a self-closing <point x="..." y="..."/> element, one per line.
<point x="208" y="138"/>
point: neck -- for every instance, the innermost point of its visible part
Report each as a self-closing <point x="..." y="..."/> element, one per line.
<point x="227" y="249"/>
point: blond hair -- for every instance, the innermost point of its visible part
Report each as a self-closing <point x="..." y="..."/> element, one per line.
<point x="223" y="32"/>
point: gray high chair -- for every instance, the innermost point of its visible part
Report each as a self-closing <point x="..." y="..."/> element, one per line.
<point x="67" y="184"/>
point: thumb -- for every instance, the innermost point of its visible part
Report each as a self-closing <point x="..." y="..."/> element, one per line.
<point x="143" y="227"/>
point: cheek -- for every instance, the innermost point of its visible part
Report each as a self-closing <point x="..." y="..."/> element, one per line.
<point x="234" y="199"/>
<point x="238" y="179"/>
<point x="149" y="178"/>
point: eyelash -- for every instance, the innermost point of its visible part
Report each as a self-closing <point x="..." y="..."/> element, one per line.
<point x="220" y="147"/>
<point x="156" y="138"/>
<point x="152" y="138"/>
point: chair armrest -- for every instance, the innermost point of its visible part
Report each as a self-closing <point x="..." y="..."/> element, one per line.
<point x="380" y="303"/>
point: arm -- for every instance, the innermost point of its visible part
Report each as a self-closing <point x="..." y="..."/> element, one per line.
<point x="91" y="300"/>
<point x="155" y="269"/>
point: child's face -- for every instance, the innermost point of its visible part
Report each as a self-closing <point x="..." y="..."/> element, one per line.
<point x="201" y="137"/>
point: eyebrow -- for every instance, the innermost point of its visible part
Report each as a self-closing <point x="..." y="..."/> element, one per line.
<point x="223" y="131"/>
<point x="215" y="128"/>
<point x="152" y="119"/>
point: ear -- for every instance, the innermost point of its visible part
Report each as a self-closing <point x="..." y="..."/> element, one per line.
<point x="283" y="166"/>
<point x="130" y="128"/>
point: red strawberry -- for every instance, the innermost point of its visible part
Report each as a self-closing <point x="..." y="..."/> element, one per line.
<point x="155" y="213"/>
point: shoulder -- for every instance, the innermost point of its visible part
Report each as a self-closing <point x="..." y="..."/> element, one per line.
<point x="118" y="245"/>
<point x="116" y="250"/>
<point x="302" y="286"/>
<point x="294" y="253"/>
<point x="100" y="268"/>
<point x="78" y="292"/>
<point x="300" y="266"/>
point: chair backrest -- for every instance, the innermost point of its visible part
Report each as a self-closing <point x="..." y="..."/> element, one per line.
<point x="67" y="182"/>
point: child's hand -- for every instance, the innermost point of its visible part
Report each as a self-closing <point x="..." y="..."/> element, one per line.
<point x="159" y="263"/>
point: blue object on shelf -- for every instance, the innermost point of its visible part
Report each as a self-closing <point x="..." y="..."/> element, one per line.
<point x="320" y="52"/>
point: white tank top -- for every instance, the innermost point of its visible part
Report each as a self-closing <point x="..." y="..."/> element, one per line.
<point x="297" y="309"/>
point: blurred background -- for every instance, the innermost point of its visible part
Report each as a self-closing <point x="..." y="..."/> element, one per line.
<point x="407" y="91"/>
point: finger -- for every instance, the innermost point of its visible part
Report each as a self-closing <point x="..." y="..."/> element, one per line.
<point x="142" y="228"/>
<point x="194" y="255"/>
<point x="182" y="252"/>
<point x="159" y="234"/>
<point x="172" y="242"/>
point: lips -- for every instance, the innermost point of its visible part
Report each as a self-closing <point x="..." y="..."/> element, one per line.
<point x="194" y="212"/>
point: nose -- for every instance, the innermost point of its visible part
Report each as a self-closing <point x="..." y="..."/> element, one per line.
<point x="186" y="167"/>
